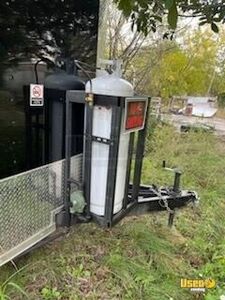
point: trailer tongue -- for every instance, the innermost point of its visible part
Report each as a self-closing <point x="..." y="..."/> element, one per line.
<point x="100" y="181"/>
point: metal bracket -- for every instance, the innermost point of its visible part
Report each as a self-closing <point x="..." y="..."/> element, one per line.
<point x="102" y="140"/>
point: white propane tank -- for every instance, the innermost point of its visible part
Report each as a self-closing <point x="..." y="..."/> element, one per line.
<point x="108" y="85"/>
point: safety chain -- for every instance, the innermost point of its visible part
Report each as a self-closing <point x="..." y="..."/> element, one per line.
<point x="163" y="202"/>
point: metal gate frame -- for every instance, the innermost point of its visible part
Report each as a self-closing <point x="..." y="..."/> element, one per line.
<point x="29" y="204"/>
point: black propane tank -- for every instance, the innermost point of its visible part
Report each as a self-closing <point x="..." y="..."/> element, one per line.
<point x="56" y="86"/>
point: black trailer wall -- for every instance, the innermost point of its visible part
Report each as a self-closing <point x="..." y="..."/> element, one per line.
<point x="30" y="31"/>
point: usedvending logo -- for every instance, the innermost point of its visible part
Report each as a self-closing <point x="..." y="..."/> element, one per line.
<point x="197" y="285"/>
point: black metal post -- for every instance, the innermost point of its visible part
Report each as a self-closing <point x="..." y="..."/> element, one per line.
<point x="36" y="126"/>
<point x="112" y="165"/>
<point x="129" y="164"/>
<point x="68" y="162"/>
<point x="28" y="128"/>
<point x="139" y="159"/>
<point x="71" y="98"/>
<point x="46" y="129"/>
<point x="171" y="219"/>
<point x="176" y="185"/>
<point x="88" y="154"/>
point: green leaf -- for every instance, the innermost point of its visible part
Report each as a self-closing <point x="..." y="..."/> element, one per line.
<point x="169" y="3"/>
<point x="173" y="16"/>
<point x="125" y="6"/>
<point x="214" y="27"/>
<point x="14" y="275"/>
<point x="202" y="23"/>
<point x="18" y="288"/>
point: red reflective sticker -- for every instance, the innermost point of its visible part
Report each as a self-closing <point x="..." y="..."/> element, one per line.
<point x="135" y="115"/>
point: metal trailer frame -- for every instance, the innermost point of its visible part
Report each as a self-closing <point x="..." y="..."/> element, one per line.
<point x="137" y="199"/>
<point x="51" y="186"/>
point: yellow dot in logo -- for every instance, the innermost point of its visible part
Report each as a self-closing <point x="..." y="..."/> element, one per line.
<point x="210" y="283"/>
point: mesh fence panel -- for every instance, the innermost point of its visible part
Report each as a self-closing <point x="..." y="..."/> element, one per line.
<point x="29" y="201"/>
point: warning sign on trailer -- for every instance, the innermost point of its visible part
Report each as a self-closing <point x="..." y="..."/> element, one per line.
<point x="36" y="95"/>
<point x="135" y="113"/>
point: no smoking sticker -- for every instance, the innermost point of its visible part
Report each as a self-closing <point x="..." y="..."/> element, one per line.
<point x="36" y="95"/>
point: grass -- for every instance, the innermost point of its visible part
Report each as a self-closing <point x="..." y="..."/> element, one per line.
<point x="141" y="258"/>
<point x="9" y="284"/>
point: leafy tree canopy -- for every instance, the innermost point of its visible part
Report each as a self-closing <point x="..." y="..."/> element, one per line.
<point x="193" y="67"/>
<point x="45" y="29"/>
<point x="147" y="14"/>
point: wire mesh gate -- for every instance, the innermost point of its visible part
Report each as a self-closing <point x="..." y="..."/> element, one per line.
<point x="29" y="203"/>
